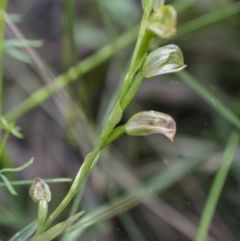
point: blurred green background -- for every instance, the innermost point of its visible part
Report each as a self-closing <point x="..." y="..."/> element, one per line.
<point x="61" y="130"/>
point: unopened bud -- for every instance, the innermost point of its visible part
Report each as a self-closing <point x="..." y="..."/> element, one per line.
<point x="163" y="21"/>
<point x="156" y="4"/>
<point x="39" y="190"/>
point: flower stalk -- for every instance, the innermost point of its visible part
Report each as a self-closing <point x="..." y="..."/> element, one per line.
<point x="41" y="194"/>
<point x="140" y="67"/>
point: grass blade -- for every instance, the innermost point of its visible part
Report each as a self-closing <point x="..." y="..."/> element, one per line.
<point x="28" y="182"/>
<point x="209" y="18"/>
<point x="57" y="229"/>
<point x="17" y="169"/>
<point x="10" y="43"/>
<point x="18" y="55"/>
<point x="25" y="233"/>
<point x="217" y="186"/>
<point x="8" y="185"/>
<point x="121" y="204"/>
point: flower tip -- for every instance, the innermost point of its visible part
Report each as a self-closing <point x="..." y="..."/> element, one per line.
<point x="171" y="134"/>
<point x="184" y="66"/>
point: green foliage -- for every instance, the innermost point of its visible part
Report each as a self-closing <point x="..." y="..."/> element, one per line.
<point x="17" y="169"/>
<point x="10" y="128"/>
<point x="57" y="229"/>
<point x="148" y="60"/>
<point x="10" y="47"/>
<point x="217" y="186"/>
<point x="26" y="232"/>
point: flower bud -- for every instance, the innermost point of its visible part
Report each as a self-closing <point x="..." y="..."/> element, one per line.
<point x="151" y="122"/>
<point x="163" y="21"/>
<point x="167" y="59"/>
<point x="39" y="190"/>
<point x="156" y="4"/>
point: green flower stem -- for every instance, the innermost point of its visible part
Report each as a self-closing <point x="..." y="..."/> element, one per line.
<point x="42" y="214"/>
<point x="77" y="184"/>
<point x="88" y="163"/>
<point x="3" y="6"/>
<point x="141" y="48"/>
<point x="111" y="122"/>
<point x="115" y="134"/>
<point x="133" y="88"/>
<point x="217" y="186"/>
<point x="77" y="200"/>
<point x="3" y="142"/>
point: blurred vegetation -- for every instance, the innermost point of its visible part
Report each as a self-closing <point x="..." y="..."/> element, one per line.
<point x="169" y="183"/>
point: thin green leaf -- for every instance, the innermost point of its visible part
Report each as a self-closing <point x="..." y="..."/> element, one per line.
<point x="217" y="186"/>
<point x="17" y="169"/>
<point x="27" y="182"/>
<point x="57" y="229"/>
<point x="15" y="18"/>
<point x="13" y="216"/>
<point x="209" y="18"/>
<point x="16" y="132"/>
<point x="25" y="233"/>
<point x="4" y="122"/>
<point x="8" y="185"/>
<point x="22" y="43"/>
<point x="17" y="54"/>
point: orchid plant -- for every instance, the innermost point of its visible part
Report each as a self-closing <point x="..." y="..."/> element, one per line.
<point x="158" y="20"/>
